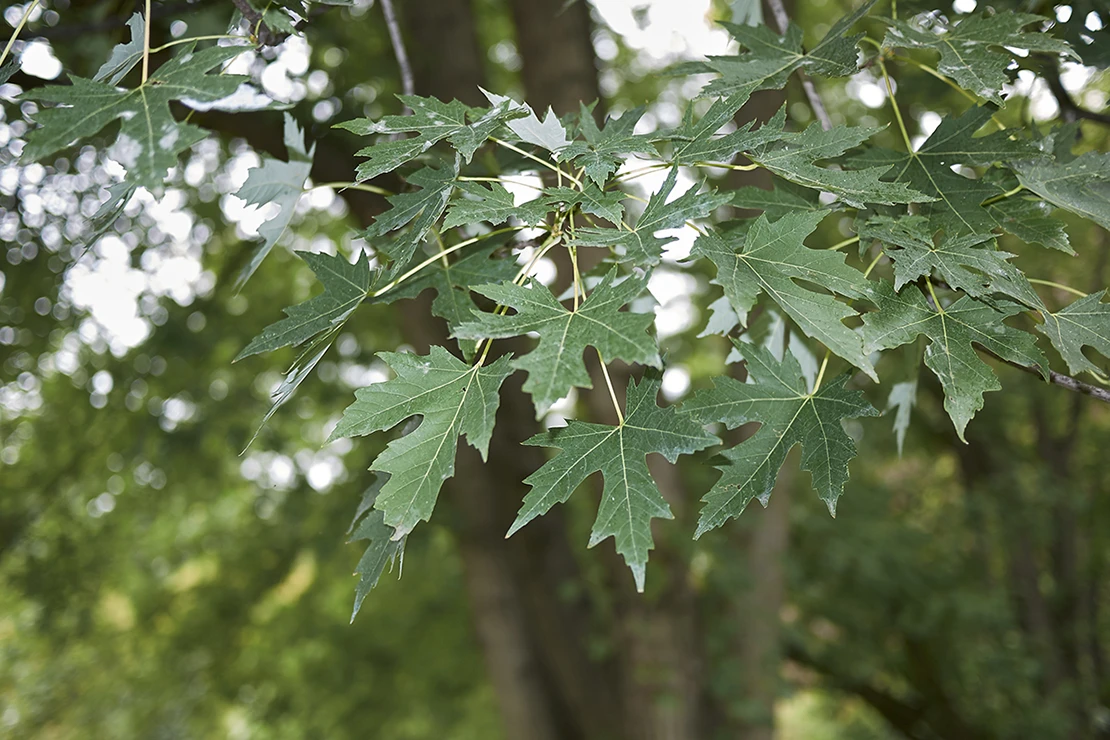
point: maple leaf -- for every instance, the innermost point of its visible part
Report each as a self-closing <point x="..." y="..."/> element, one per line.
<point x="909" y="242"/>
<point x="952" y="331"/>
<point x="770" y="259"/>
<point x="383" y="550"/>
<point x="280" y="183"/>
<point x="784" y="198"/>
<point x="421" y="208"/>
<point x="149" y="138"/>
<point x="957" y="205"/>
<point x="972" y="50"/>
<point x="1084" y="323"/>
<point x="453" y="282"/>
<point x="630" y="498"/>
<point x="639" y="245"/>
<point x="346" y="285"/>
<point x="124" y="57"/>
<point x="793" y="157"/>
<point x="555" y="365"/>
<point x="604" y="149"/>
<point x="432" y="121"/>
<point x="590" y="199"/>
<point x="694" y="143"/>
<point x="452" y="398"/>
<point x="1081" y="185"/>
<point x="1028" y="219"/>
<point x="768" y="60"/>
<point x="789" y="413"/>
<point x="493" y="204"/>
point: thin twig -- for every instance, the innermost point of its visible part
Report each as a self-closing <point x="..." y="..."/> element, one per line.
<point x="407" y="84"/>
<point x="815" y="102"/>
<point x="1064" y="381"/>
<point x="146" y="43"/>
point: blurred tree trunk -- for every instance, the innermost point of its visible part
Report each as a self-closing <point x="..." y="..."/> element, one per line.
<point x="534" y="634"/>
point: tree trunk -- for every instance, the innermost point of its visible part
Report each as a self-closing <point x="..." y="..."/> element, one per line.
<point x="535" y="638"/>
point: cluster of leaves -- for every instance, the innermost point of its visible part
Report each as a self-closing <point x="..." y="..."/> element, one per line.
<point x="927" y="272"/>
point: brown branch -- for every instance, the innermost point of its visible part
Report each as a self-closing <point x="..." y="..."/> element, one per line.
<point x="395" y="38"/>
<point x="1064" y="381"/>
<point x="815" y="102"/>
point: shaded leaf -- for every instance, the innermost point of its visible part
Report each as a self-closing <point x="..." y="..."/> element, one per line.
<point x="1081" y="185"/>
<point x="972" y="50"/>
<point x="590" y="199"/>
<point x="952" y="331"/>
<point x="767" y="60"/>
<point x="493" y="204"/>
<point x="770" y="259"/>
<point x="968" y="262"/>
<point x="452" y="398"/>
<point x="125" y="56"/>
<point x="453" y="283"/>
<point x="383" y="550"/>
<point x="789" y="414"/>
<point x="346" y="285"/>
<point x="631" y="498"/>
<point x="149" y="137"/>
<point x="421" y="208"/>
<point x="793" y="157"/>
<point x="556" y="365"/>
<point x="1084" y="323"/>
<point x="602" y="152"/>
<point x="639" y="245"/>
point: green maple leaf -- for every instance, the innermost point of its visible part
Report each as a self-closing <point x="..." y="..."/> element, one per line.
<point x="1084" y="323"/>
<point x="968" y="262"/>
<point x="769" y="60"/>
<point x="784" y="198"/>
<point x="1028" y="219"/>
<point x="957" y="205"/>
<point x="281" y="183"/>
<point x="789" y="414"/>
<point x="603" y="151"/>
<point x="346" y="285"/>
<point x="631" y="498"/>
<point x="453" y="283"/>
<point x="555" y="365"/>
<point x="452" y="398"/>
<point x="382" y="551"/>
<point x="952" y="331"/>
<point x="1081" y="185"/>
<point x="149" y="138"/>
<point x="432" y="121"/>
<point x="793" y="157"/>
<point x="421" y="208"/>
<point x="590" y="199"/>
<point x="124" y="57"/>
<point x="493" y="204"/>
<point x="697" y="142"/>
<point x="972" y="50"/>
<point x="639" y="245"/>
<point x="770" y="259"/>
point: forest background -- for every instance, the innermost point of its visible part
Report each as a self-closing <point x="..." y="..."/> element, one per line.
<point x="155" y="583"/>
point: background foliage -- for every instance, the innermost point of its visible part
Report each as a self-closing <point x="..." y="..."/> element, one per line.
<point x="959" y="593"/>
